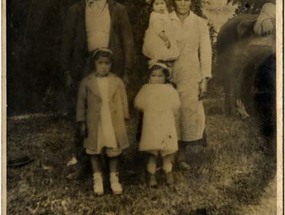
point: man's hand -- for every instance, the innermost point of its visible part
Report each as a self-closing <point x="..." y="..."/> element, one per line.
<point x="267" y="27"/>
<point x="265" y="22"/>
<point x="203" y="85"/>
<point x="264" y="27"/>
<point x="126" y="77"/>
<point x="68" y="80"/>
<point x="165" y="39"/>
<point x="83" y="129"/>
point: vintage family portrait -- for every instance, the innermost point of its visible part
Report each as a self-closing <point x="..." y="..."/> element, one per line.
<point x="143" y="107"/>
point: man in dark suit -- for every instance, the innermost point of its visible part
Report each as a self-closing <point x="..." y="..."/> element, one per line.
<point x="92" y="24"/>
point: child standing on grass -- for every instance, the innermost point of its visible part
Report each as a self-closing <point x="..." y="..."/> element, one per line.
<point x="159" y="41"/>
<point x="159" y="102"/>
<point x="101" y="112"/>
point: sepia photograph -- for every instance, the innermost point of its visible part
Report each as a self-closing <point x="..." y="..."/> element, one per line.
<point x="142" y="107"/>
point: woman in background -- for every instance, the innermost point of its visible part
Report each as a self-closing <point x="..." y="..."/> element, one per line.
<point x="191" y="72"/>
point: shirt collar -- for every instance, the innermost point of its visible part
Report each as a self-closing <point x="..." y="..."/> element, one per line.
<point x="90" y="2"/>
<point x="173" y="16"/>
<point x="101" y="76"/>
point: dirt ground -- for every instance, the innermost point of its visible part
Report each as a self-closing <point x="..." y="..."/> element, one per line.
<point x="230" y="176"/>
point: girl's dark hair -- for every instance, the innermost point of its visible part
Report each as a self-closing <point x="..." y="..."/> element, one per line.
<point x="165" y="72"/>
<point x="166" y="2"/>
<point x="157" y="67"/>
<point x="93" y="57"/>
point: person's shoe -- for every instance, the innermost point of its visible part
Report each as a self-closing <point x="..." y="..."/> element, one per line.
<point x="152" y="181"/>
<point x="18" y="158"/>
<point x="115" y="184"/>
<point x="169" y="178"/>
<point x="184" y="166"/>
<point x="98" y="184"/>
<point x="77" y="173"/>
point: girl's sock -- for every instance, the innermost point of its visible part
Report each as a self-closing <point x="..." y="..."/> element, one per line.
<point x="167" y="163"/>
<point x="115" y="184"/>
<point x="114" y="175"/>
<point x="151" y="165"/>
<point x="98" y="183"/>
<point x="151" y="169"/>
<point x="167" y="167"/>
<point x="97" y="175"/>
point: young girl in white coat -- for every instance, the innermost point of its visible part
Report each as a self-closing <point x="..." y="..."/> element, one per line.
<point x="102" y="108"/>
<point x="159" y="102"/>
<point x="159" y="41"/>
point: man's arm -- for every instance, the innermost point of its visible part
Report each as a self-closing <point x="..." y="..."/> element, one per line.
<point x="67" y="39"/>
<point x="124" y="97"/>
<point x="205" y="58"/>
<point x="81" y="102"/>
<point x="127" y="39"/>
<point x="265" y="22"/>
<point x="205" y="50"/>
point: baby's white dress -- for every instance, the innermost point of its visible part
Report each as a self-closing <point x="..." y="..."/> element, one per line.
<point x="154" y="47"/>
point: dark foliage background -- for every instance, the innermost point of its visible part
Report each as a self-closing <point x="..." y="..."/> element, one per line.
<point x="34" y="27"/>
<point x="34" y="77"/>
<point x="249" y="6"/>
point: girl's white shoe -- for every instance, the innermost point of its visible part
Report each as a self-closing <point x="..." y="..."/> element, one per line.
<point x="115" y="184"/>
<point x="98" y="184"/>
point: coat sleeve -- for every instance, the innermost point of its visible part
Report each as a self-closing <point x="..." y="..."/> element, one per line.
<point x="124" y="98"/>
<point x="67" y="38"/>
<point x="174" y="99"/>
<point x="205" y="50"/>
<point x="265" y="21"/>
<point x="157" y="25"/>
<point x="81" y="102"/>
<point x="140" y="99"/>
<point x="127" y="39"/>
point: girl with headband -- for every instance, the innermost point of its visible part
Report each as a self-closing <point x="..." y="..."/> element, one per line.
<point x="102" y="108"/>
<point x="159" y="102"/>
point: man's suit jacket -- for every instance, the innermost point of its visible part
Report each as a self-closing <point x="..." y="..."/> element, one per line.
<point x="74" y="51"/>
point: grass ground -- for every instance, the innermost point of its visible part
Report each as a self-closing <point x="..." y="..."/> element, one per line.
<point x="227" y="177"/>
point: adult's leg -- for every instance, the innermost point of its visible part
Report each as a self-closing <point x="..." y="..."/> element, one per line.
<point x="181" y="156"/>
<point x="82" y="167"/>
<point x="151" y="164"/>
<point x="192" y="121"/>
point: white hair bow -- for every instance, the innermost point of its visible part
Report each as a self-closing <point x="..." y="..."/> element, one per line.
<point x="155" y="62"/>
